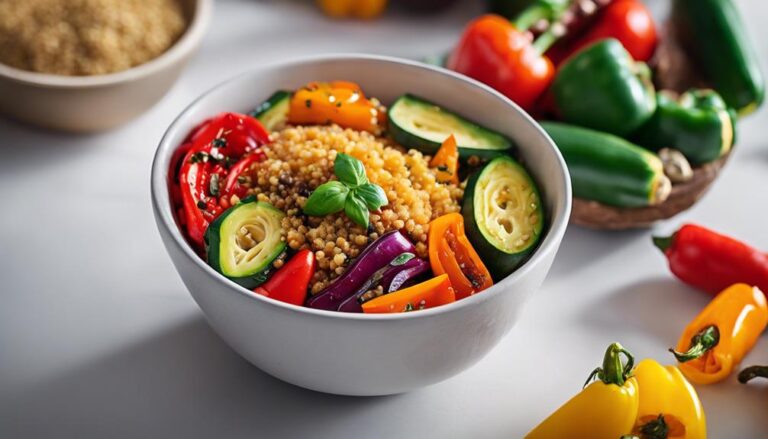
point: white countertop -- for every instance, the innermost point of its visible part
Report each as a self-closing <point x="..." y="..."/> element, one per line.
<point x="99" y="338"/>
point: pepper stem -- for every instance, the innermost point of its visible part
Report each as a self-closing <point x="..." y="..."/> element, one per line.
<point x="656" y="429"/>
<point x="701" y="343"/>
<point x="532" y="15"/>
<point x="753" y="372"/>
<point x="614" y="370"/>
<point x="663" y="242"/>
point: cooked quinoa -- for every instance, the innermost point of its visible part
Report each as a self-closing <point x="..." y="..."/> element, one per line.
<point x="86" y="37"/>
<point x="301" y="158"/>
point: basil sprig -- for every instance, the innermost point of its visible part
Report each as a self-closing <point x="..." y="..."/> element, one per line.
<point x="353" y="193"/>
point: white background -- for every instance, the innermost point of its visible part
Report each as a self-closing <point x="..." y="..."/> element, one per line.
<point x="98" y="337"/>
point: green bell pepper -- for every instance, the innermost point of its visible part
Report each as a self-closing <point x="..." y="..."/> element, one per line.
<point x="714" y="33"/>
<point x="603" y="88"/>
<point x="609" y="169"/>
<point x="698" y="125"/>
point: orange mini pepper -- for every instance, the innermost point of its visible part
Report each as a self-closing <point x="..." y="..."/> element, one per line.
<point x="713" y="345"/>
<point x="429" y="294"/>
<point x="338" y="102"/>
<point x="446" y="160"/>
<point x="352" y="8"/>
<point x="451" y="253"/>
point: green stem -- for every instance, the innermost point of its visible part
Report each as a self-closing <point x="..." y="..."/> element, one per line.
<point x="547" y="39"/>
<point x="663" y="242"/>
<point x="532" y="15"/>
<point x="614" y="370"/>
<point x="753" y="372"/>
<point x="701" y="343"/>
<point x="656" y="429"/>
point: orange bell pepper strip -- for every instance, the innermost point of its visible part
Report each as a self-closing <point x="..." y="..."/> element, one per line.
<point x="338" y="102"/>
<point x="429" y="294"/>
<point x="447" y="161"/>
<point x="451" y="253"/>
<point x="715" y="342"/>
<point x="352" y="8"/>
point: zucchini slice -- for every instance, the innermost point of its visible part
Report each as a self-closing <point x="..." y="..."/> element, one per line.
<point x="244" y="241"/>
<point x="417" y="123"/>
<point x="503" y="214"/>
<point x="273" y="112"/>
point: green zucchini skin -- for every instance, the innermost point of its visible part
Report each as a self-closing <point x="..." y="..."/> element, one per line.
<point x="495" y="144"/>
<point x="712" y="30"/>
<point x="607" y="168"/>
<point x="274" y="111"/>
<point x="213" y="244"/>
<point x="499" y="262"/>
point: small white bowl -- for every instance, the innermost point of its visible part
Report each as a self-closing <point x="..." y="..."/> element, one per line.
<point x="100" y="102"/>
<point x="357" y="354"/>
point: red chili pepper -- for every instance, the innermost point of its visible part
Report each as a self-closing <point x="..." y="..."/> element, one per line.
<point x="712" y="262"/>
<point x="496" y="52"/>
<point x="629" y="21"/>
<point x="290" y="283"/>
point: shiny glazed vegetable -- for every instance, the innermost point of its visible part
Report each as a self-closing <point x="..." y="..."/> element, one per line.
<point x="352" y="8"/>
<point x="429" y="294"/>
<point x="447" y="161"/>
<point x="603" y="88"/>
<point x="715" y="342"/>
<point x="338" y="102"/>
<point x="711" y="262"/>
<point x="714" y="33"/>
<point x="698" y="124"/>
<point x="451" y="253"/>
<point x="290" y="283"/>
<point x="608" y="169"/>
<point x="669" y="406"/>
<point x="605" y="409"/>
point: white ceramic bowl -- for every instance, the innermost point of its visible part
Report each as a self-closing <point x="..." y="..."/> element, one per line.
<point x="100" y="102"/>
<point x="356" y="354"/>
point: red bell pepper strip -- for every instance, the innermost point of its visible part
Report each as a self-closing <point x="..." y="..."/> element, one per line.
<point x="238" y="134"/>
<point x="628" y="21"/>
<point x="496" y="52"/>
<point x="232" y="184"/>
<point x="712" y="262"/>
<point x="290" y="283"/>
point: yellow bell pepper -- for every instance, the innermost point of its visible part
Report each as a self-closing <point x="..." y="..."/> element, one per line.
<point x="669" y="406"/>
<point x="715" y="342"/>
<point x="352" y="8"/>
<point x="605" y="409"/>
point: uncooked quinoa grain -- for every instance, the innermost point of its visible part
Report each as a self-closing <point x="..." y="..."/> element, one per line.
<point x="86" y="37"/>
<point x="301" y="158"/>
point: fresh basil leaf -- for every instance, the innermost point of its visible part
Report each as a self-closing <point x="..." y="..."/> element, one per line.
<point x="328" y="198"/>
<point x="356" y="210"/>
<point x="372" y="194"/>
<point x="402" y="258"/>
<point x="349" y="170"/>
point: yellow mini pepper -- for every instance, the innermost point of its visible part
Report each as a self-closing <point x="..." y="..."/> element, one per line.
<point x="604" y="409"/>
<point x="715" y="342"/>
<point x="352" y="8"/>
<point x="669" y="406"/>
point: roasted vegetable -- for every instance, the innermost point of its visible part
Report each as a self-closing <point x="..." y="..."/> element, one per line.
<point x="504" y="215"/>
<point x="338" y="102"/>
<point x="446" y="160"/>
<point x="715" y="342"/>
<point x="668" y="403"/>
<point x="603" y="88"/>
<point x="605" y="409"/>
<point x="273" y="112"/>
<point x="352" y="8"/>
<point x="377" y="255"/>
<point x="417" y="123"/>
<point x="697" y="124"/>
<point x="714" y="33"/>
<point x="450" y="252"/>
<point x="609" y="169"/>
<point x="429" y="294"/>
<point x="500" y="54"/>
<point x="244" y="241"/>
<point x="712" y="262"/>
<point x="291" y="282"/>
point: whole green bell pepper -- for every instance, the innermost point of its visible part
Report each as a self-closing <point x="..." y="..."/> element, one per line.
<point x="713" y="32"/>
<point x="697" y="124"/>
<point x="603" y="88"/>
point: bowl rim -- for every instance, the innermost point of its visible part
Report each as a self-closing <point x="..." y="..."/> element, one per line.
<point x="189" y="40"/>
<point x="164" y="214"/>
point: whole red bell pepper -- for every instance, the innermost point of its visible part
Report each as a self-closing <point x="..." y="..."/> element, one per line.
<point x="712" y="262"/>
<point x="502" y="55"/>
<point x="628" y="21"/>
<point x="290" y="283"/>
